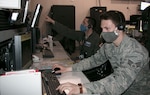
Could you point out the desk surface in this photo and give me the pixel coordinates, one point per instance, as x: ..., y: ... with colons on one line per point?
x: 60, y: 57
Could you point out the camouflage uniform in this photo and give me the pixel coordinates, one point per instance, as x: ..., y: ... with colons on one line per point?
x: 129, y: 61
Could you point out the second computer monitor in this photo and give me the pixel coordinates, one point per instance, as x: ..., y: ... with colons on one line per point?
x: 36, y: 16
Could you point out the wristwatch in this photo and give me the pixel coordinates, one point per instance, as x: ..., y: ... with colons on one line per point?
x: 80, y: 87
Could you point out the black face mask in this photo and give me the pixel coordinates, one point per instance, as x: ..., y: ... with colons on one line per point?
x: 109, y: 36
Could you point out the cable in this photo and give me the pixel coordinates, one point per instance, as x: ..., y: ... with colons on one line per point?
x: 99, y: 2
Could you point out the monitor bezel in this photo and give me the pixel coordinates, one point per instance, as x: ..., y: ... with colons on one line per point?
x: 144, y: 5
x: 25, y: 12
x: 36, y: 16
x: 18, y: 63
x: 10, y: 4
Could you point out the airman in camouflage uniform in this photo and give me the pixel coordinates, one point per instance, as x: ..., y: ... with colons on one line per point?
x: 129, y: 60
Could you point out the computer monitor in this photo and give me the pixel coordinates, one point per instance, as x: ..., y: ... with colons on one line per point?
x: 15, y: 53
x: 10, y: 4
x: 25, y: 11
x: 144, y: 5
x: 36, y: 16
x: 35, y: 37
x: 22, y: 52
x: 19, y: 16
x: 14, y: 16
x: 34, y: 27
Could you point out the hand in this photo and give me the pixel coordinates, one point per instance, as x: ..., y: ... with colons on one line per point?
x: 48, y: 19
x: 70, y: 87
x: 62, y: 68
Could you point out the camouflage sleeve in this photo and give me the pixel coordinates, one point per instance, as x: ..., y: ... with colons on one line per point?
x: 95, y: 60
x: 130, y: 65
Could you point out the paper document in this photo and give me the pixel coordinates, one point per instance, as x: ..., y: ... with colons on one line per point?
x: 24, y: 82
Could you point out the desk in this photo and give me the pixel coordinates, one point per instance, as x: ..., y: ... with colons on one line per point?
x: 60, y: 57
x: 26, y: 82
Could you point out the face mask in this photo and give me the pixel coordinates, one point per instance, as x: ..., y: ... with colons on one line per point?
x: 109, y: 36
x: 83, y: 28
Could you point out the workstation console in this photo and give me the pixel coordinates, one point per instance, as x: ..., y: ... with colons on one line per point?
x: 9, y: 41
x: 18, y: 43
x: 18, y: 36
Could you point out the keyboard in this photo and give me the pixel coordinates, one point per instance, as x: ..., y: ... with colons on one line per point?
x: 47, y: 53
x: 50, y: 82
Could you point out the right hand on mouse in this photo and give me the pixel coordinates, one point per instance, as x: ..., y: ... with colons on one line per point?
x: 62, y: 68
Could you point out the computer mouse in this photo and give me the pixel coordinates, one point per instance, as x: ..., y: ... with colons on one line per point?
x: 56, y: 69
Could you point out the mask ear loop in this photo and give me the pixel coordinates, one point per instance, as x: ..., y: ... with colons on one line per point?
x: 116, y: 33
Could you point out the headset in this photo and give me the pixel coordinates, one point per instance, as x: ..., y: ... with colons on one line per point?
x: 91, y: 22
x: 90, y: 26
x: 121, y: 25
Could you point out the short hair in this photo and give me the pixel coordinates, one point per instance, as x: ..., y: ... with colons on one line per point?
x: 117, y: 17
x: 91, y: 22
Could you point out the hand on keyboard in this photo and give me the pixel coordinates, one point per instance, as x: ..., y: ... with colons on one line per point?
x: 70, y: 88
x: 50, y: 82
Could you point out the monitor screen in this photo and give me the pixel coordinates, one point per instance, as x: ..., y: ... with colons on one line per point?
x: 34, y: 26
x: 10, y: 4
x: 14, y: 16
x: 25, y: 11
x: 144, y: 5
x: 36, y: 16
